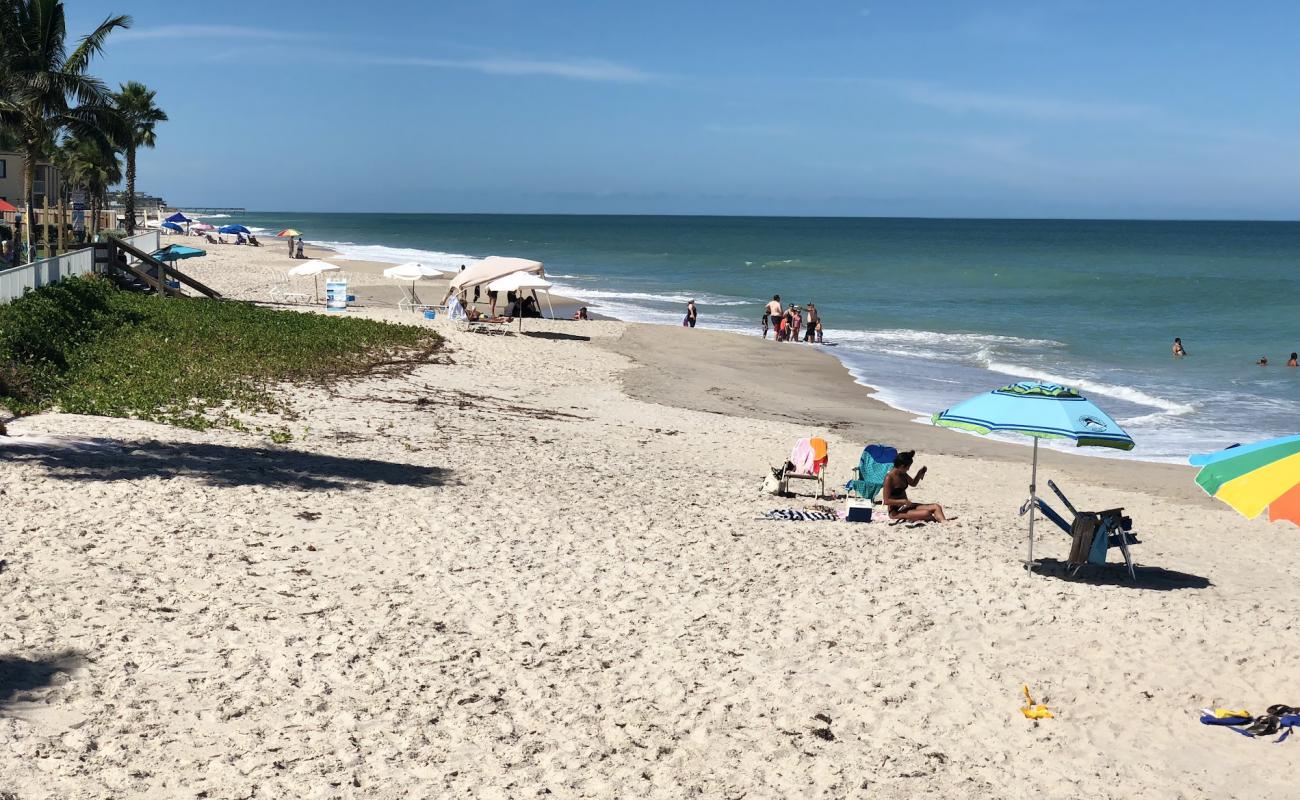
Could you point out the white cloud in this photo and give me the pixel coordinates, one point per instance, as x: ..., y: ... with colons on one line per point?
x: 576, y: 69
x: 207, y: 32
x: 963, y: 101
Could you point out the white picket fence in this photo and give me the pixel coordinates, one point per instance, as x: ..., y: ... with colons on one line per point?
x: 14, y: 282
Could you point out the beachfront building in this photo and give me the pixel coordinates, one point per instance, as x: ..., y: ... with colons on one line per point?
x: 11, y: 180
x: 147, y: 207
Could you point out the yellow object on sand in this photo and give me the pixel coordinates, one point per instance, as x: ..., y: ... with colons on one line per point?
x: 1034, y: 710
x: 1225, y: 713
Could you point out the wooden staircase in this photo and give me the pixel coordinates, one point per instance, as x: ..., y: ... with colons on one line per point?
x: 134, y: 269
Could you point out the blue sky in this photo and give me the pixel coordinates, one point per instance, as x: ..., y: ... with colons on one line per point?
x: 1066, y: 109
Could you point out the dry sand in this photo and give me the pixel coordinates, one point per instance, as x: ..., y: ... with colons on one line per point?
x: 552, y: 580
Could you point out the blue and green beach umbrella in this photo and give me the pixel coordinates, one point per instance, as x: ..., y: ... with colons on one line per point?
x: 1040, y: 410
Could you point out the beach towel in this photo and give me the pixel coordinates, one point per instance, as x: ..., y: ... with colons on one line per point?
x: 801, y: 456
x: 799, y: 515
x: 454, y: 309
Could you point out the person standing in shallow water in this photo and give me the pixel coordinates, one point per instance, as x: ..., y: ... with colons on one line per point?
x: 811, y: 323
x: 772, y: 315
x: 691, y: 315
x: 1179, y: 352
x: 1293, y: 362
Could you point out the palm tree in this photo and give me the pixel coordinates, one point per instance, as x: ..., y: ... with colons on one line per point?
x: 139, y: 115
x: 44, y: 89
x: 92, y: 167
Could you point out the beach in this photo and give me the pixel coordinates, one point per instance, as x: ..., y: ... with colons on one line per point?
x: 540, y: 568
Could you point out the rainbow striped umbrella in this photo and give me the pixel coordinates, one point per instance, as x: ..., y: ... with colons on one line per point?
x: 1253, y: 477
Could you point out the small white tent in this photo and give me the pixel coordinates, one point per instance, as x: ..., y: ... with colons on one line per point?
x: 520, y: 281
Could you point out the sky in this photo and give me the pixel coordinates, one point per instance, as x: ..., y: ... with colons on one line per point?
x: 908, y: 108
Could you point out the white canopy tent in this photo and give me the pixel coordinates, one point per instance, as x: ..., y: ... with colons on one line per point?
x: 520, y: 281
x: 490, y: 269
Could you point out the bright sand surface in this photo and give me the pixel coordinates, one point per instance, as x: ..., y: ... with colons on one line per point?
x: 538, y: 569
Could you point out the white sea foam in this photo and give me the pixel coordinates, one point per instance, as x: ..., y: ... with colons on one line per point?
x: 350, y: 251
x: 209, y: 216
x: 596, y: 295
x: 1135, y: 396
x: 964, y: 341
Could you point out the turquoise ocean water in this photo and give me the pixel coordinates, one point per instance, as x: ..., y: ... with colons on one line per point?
x: 932, y: 311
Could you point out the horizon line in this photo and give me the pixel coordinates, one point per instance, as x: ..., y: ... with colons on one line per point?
x: 936, y: 218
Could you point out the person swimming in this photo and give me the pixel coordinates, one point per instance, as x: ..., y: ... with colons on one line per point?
x: 1293, y: 362
x: 1263, y: 361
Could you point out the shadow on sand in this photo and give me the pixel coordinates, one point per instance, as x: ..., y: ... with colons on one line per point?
x: 21, y: 675
x: 1148, y: 578
x: 559, y: 337
x: 215, y: 464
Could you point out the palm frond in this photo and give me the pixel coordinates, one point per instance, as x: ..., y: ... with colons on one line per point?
x: 93, y: 43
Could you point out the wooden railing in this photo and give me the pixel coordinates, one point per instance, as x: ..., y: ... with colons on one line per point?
x: 15, y: 281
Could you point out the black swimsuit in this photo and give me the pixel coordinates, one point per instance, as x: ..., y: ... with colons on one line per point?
x: 898, y: 493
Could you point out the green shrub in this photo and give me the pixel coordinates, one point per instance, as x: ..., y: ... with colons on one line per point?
x: 88, y: 348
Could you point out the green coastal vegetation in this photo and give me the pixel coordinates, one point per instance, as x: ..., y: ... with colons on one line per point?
x: 83, y: 346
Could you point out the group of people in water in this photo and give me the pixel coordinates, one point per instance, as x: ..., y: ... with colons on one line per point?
x: 1293, y: 361
x: 785, y: 323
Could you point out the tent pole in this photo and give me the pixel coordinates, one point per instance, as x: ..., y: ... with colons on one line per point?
x: 549, y: 307
x: 1033, y: 505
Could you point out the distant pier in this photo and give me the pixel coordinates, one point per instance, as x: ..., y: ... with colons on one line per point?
x: 209, y: 210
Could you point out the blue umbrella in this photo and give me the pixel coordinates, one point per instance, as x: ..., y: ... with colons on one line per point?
x: 175, y: 252
x: 179, y: 217
x: 1040, y: 410
x: 233, y: 229
x: 172, y: 226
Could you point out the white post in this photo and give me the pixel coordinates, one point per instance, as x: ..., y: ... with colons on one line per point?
x: 1033, y: 505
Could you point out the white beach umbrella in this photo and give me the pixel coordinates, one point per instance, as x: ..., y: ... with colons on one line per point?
x: 411, y: 271
x: 314, y: 268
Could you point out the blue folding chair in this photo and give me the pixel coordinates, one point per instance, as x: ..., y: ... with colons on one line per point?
x: 1109, y: 528
x: 869, y: 475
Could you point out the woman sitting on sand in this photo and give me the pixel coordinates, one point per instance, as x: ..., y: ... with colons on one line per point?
x: 894, y: 494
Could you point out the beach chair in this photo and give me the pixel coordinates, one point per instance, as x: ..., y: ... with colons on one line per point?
x: 869, y: 475
x: 411, y: 302
x: 282, y: 290
x: 807, y: 462
x: 1092, y: 533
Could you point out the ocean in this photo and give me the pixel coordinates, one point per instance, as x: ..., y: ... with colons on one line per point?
x: 931, y: 311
